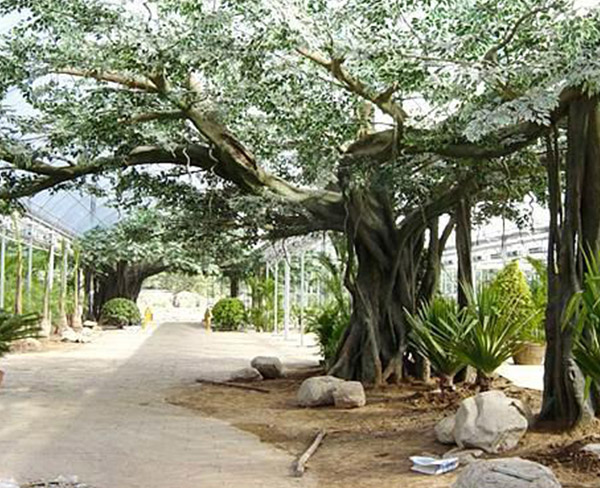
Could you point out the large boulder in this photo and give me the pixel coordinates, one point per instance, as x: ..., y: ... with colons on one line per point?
x: 318, y: 391
x: 349, y: 394
x: 269, y: 367
x: 246, y: 374
x: 490, y: 421
x: 444, y: 430
x: 506, y: 473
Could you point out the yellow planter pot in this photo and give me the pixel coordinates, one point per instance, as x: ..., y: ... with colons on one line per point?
x: 530, y: 354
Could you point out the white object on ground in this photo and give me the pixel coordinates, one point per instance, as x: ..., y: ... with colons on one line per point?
x: 433, y: 466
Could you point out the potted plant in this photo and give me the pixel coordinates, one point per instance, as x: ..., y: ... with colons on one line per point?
x: 533, y: 350
x: 533, y: 347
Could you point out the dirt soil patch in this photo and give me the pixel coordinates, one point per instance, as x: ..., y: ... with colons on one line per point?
x: 369, y: 447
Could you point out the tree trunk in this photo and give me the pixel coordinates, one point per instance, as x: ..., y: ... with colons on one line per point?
x: 19, y: 266
x: 387, y: 258
x: 234, y: 285
x: 76, y: 320
x: 573, y: 231
x: 125, y: 281
x: 62, y: 303
x: 462, y: 216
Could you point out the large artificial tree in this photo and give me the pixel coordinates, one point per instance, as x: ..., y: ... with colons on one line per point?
x: 371, y: 118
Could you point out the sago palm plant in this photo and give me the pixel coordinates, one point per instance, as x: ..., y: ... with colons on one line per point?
x: 437, y: 329
x: 494, y: 335
x: 15, y: 327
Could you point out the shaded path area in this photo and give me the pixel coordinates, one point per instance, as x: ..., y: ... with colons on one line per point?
x: 98, y: 411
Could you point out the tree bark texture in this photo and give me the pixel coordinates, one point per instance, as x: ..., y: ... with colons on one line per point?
x: 384, y: 278
x: 574, y: 230
x: 463, y: 250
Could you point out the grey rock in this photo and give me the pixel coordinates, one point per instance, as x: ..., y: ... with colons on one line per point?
x: 490, y: 421
x: 11, y: 483
x: 444, y: 430
x: 246, y: 374
x: 349, y: 394
x: 317, y: 391
x: 506, y: 473
x: 592, y: 449
x: 69, y: 335
x: 90, y: 323
x: 465, y: 456
x: 269, y: 367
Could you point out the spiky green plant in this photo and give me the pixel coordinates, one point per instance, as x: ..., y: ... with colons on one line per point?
x: 329, y: 321
x: 584, y: 309
x: 493, y: 336
x: 437, y: 329
x: 15, y: 327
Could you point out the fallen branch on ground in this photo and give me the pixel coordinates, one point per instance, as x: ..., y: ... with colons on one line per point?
x: 233, y: 385
x: 300, y: 465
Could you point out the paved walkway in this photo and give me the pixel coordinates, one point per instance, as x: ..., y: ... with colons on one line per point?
x: 98, y: 411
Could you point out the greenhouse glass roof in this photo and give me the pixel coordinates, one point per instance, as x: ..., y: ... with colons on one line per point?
x: 71, y: 211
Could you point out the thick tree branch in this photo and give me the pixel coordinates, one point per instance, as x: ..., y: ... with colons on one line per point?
x: 118, y: 78
x: 383, y: 100
x: 151, y: 116
x: 382, y: 146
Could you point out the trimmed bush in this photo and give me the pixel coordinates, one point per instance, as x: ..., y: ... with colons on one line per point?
x: 120, y: 312
x: 228, y: 314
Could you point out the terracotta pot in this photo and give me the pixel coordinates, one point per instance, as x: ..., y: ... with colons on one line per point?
x: 530, y: 354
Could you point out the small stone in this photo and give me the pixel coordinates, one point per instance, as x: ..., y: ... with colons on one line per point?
x: 11, y: 483
x: 349, y: 394
x: 69, y: 335
x: 592, y: 449
x: 465, y: 456
x: 506, y: 473
x: 269, y: 367
x: 444, y: 430
x: 317, y: 391
x: 246, y: 374
x: 90, y: 323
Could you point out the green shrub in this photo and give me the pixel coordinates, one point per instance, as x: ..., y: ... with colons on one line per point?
x: 15, y: 327
x: 328, y: 323
x: 120, y: 312
x: 438, y: 328
x: 511, y: 286
x: 261, y: 313
x: 228, y: 314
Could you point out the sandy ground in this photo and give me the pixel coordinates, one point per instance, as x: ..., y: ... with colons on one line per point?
x: 98, y: 411
x: 370, y: 447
